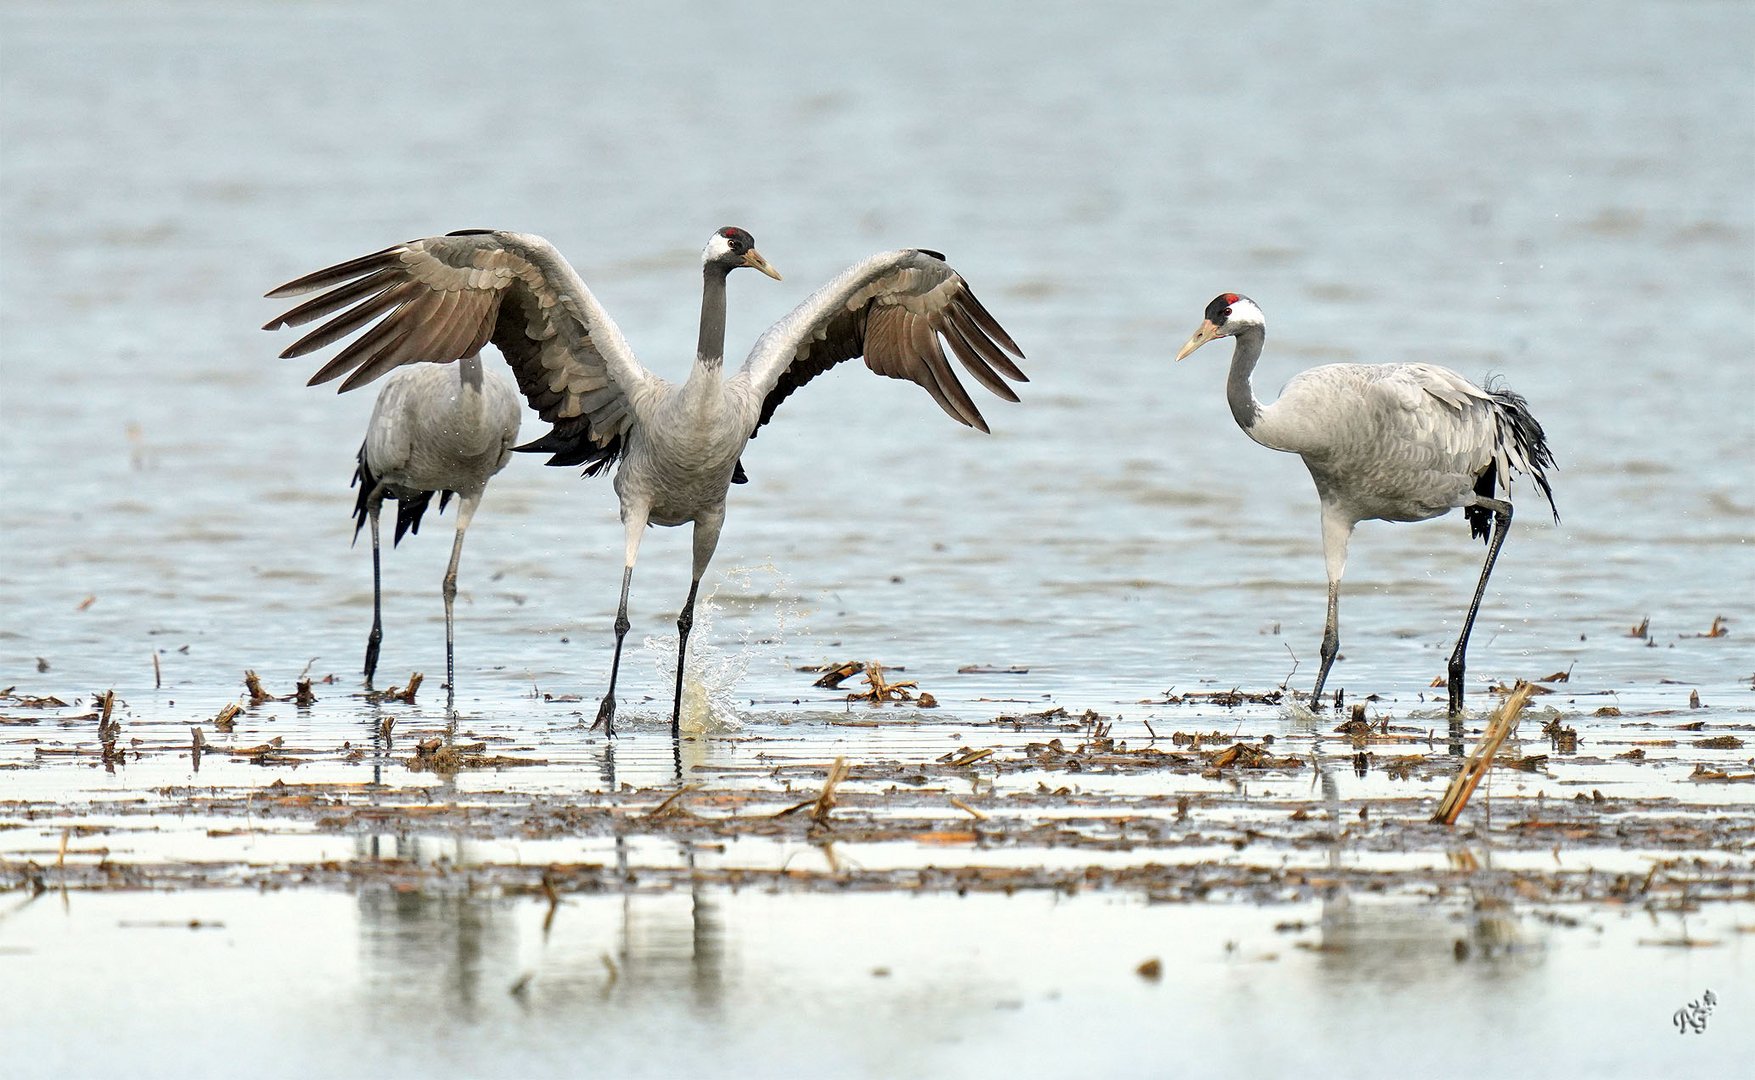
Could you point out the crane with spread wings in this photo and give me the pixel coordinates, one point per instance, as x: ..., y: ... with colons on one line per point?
x: 675, y: 448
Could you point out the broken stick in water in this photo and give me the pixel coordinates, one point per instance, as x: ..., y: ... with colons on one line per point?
x: 404, y: 694
x: 835, y: 674
x: 881, y: 689
x: 672, y: 806
x: 1499, y: 727
x: 824, y: 802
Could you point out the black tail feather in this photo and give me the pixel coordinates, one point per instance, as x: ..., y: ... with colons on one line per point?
x: 367, y: 483
x: 1527, y: 432
x: 570, y: 443
x: 408, y: 512
x: 1532, y: 444
x: 409, y: 508
x: 1481, y: 518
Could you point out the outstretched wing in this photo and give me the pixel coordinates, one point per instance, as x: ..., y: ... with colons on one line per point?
x: 444, y: 297
x: 893, y: 309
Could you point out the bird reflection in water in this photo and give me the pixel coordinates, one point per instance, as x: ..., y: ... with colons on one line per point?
x: 1384, y: 943
x: 445, y: 946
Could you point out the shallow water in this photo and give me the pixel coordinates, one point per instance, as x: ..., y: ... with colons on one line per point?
x: 751, y: 983
x: 1551, y: 195
x: 971, y: 885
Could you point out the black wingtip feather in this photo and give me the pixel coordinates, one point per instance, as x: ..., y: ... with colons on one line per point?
x: 985, y: 320
x: 1531, y: 441
x: 340, y: 272
x: 1527, y: 431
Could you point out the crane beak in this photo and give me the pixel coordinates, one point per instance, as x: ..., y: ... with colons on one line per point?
x: 753, y: 259
x: 1206, y: 333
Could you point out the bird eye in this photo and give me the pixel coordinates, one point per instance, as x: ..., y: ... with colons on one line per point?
x: 1226, y: 314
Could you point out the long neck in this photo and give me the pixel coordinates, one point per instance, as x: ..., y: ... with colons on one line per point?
x: 1258, y: 421
x: 710, y: 350
x: 468, y: 409
x: 469, y: 372
x: 1238, y: 391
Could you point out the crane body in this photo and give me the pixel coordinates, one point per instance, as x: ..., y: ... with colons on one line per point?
x: 435, y: 429
x: 676, y: 448
x: 1391, y: 442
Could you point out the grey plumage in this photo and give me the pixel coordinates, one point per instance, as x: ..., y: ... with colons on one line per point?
x: 445, y: 429
x: 677, y: 446
x: 1397, y: 442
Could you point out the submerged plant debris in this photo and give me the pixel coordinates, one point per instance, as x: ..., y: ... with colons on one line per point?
x: 1267, y: 808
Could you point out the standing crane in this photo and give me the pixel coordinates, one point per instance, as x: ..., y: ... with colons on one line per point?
x: 676, y: 448
x: 434, y: 429
x: 1396, y: 442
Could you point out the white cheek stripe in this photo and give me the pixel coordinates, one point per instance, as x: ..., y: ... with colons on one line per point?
x: 1244, y: 313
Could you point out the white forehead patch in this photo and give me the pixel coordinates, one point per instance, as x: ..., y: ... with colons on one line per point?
x: 717, y: 248
x: 1245, y: 311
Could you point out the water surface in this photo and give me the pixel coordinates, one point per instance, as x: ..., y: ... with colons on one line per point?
x: 1553, y: 195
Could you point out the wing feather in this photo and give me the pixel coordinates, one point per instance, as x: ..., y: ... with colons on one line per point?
x: 985, y: 320
x: 347, y: 322
x: 892, y: 309
x: 966, y: 341
x: 346, y: 271
x: 426, y: 325
x: 387, y: 334
x: 442, y: 298
x: 335, y: 299
x: 923, y: 344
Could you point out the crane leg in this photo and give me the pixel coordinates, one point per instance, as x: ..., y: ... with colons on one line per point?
x: 707, y: 529
x: 1453, y: 679
x: 1336, y: 532
x: 634, y: 520
x: 1331, y: 642
x: 465, y: 513
x: 684, y: 623
x: 376, y: 637
x: 606, y: 710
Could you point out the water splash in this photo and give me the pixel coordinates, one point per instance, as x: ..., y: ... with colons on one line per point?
x: 760, y: 598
